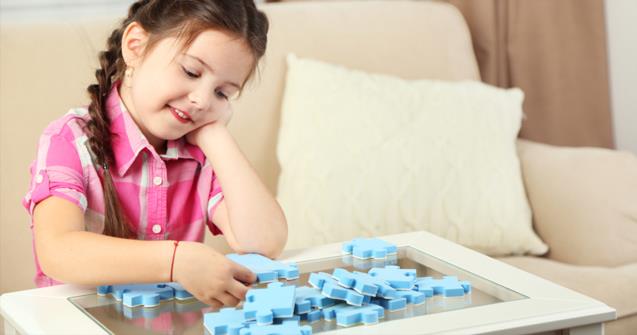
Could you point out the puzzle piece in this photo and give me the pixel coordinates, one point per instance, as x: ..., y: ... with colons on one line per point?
x: 308, y: 298
x: 412, y: 297
x: 266, y: 269
x: 449, y: 286
x: 330, y: 288
x: 290, y: 327
x: 265, y: 304
x: 225, y: 321
x: 366, y: 264
x: 278, y: 321
x: 368, y: 248
x: 384, y: 290
x: 402, y: 279
x: 390, y: 304
x: 180, y: 293
x: 147, y: 295
x: 347, y: 315
x: 360, y: 282
x: 423, y: 287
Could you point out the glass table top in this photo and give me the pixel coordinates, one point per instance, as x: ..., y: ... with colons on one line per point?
x: 176, y: 317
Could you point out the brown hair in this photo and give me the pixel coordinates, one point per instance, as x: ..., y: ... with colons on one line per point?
x: 184, y: 19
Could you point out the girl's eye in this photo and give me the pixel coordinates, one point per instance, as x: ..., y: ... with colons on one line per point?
x: 221, y: 95
x: 189, y: 73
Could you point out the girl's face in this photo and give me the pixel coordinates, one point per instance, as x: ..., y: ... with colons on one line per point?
x: 173, y: 91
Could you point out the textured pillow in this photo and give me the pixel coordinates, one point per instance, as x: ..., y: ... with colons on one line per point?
x: 584, y: 202
x: 368, y: 154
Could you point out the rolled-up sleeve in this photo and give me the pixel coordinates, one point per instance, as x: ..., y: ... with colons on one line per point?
x: 56, y: 171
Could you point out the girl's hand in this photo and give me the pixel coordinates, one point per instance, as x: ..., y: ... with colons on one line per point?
x: 194, y: 137
x: 211, y: 277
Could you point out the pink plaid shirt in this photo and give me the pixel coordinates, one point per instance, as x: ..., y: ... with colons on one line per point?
x: 170, y: 196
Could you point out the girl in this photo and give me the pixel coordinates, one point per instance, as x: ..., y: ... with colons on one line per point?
x: 117, y: 184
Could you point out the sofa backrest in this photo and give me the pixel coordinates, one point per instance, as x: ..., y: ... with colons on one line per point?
x: 46, y: 67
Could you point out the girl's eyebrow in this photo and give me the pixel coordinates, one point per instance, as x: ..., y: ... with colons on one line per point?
x: 211, y: 69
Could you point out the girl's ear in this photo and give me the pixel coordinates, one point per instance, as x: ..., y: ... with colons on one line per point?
x: 134, y: 41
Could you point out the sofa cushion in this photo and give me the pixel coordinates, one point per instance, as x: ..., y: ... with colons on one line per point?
x: 584, y: 202
x: 613, y: 286
x: 368, y: 154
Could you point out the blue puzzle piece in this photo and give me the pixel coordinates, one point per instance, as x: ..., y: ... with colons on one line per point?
x: 225, y: 321
x: 398, y: 278
x: 449, y: 286
x: 423, y: 287
x: 368, y: 248
x: 290, y: 327
x: 278, y: 321
x: 412, y: 297
x: 265, y: 304
x: 390, y: 304
x: 266, y: 269
x: 330, y: 288
x: 384, y: 289
x: 360, y: 282
x: 308, y: 298
x: 347, y: 315
x: 180, y: 292
x: 302, y: 306
x: 147, y: 295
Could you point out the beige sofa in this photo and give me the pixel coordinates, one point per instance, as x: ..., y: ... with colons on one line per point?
x: 45, y: 68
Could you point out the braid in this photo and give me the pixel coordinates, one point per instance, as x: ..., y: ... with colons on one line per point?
x: 98, y: 128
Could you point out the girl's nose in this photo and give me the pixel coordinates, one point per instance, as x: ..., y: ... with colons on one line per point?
x: 200, y: 99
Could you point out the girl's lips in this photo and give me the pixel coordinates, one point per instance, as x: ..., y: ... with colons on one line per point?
x: 180, y: 115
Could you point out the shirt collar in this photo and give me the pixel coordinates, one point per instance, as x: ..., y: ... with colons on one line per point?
x: 128, y: 141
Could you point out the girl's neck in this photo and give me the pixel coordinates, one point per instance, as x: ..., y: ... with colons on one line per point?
x: 159, y: 144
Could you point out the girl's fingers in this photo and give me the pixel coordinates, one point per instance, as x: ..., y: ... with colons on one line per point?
x: 212, y: 302
x: 228, y: 300
x: 244, y: 275
x: 238, y: 289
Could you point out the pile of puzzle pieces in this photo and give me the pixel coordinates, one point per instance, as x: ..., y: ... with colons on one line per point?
x: 348, y: 297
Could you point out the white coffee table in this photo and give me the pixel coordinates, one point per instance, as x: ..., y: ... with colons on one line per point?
x: 504, y: 300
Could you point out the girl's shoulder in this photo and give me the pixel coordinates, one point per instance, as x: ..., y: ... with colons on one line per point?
x: 70, y: 126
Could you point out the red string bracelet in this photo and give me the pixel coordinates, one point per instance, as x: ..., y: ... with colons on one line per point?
x: 172, y: 262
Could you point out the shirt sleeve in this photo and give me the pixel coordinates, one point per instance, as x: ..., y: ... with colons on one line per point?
x: 56, y: 171
x: 214, y: 199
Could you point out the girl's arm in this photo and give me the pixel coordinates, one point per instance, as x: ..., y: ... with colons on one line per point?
x: 69, y: 254
x: 249, y: 216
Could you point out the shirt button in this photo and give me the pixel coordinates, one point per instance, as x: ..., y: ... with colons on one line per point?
x: 157, y: 181
x: 156, y: 229
x: 39, y: 178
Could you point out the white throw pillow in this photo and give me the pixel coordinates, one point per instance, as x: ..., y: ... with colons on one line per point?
x: 369, y: 154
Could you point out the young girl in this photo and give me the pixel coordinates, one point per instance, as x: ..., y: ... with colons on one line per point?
x: 150, y: 161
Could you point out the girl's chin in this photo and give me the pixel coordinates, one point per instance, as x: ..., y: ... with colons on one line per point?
x: 169, y: 135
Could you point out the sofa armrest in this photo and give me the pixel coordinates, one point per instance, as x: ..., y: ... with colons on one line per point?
x: 584, y: 202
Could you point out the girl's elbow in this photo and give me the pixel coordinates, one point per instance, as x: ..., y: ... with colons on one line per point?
x: 52, y: 266
x: 52, y: 262
x: 276, y: 244
x: 279, y: 242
